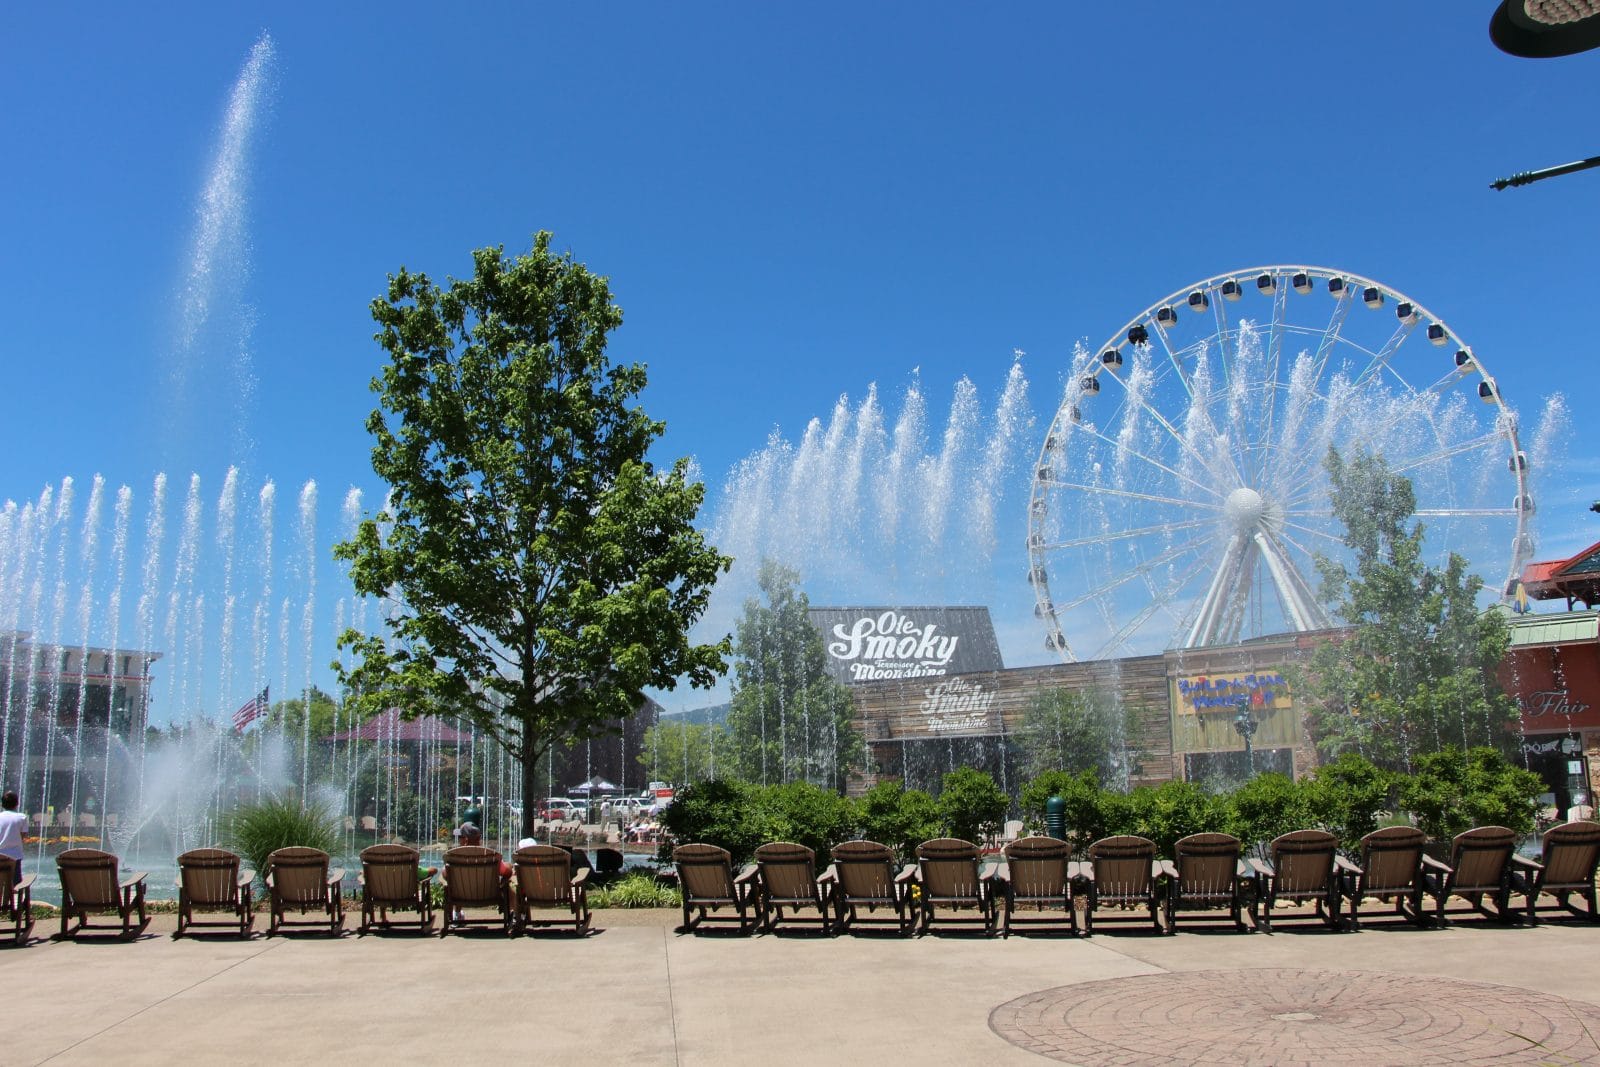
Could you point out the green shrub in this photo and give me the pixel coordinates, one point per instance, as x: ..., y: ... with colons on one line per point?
x: 722, y: 812
x: 898, y: 817
x: 1170, y: 811
x: 971, y: 806
x: 1089, y: 809
x: 255, y: 831
x: 1450, y: 791
x: 809, y: 815
x: 1349, y: 796
x: 639, y: 890
x: 1268, y: 805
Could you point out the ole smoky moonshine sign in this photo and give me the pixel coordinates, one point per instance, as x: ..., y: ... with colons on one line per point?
x: 887, y: 644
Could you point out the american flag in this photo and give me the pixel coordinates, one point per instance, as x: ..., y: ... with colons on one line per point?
x: 250, y: 711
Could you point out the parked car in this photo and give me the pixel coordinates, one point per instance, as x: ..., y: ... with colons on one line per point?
x: 560, y: 809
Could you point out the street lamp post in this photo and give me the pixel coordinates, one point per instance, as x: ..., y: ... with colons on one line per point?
x: 1246, y: 724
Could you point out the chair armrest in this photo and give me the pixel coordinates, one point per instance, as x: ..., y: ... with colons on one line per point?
x: 829, y: 876
x: 582, y: 877
x: 1166, y: 869
x: 747, y: 874
x: 424, y: 879
x: 1342, y: 864
x: 1262, y: 868
x: 908, y: 873
x: 133, y: 879
x: 245, y: 878
x: 336, y: 876
x: 1525, y: 863
x: 23, y: 883
x: 1443, y: 868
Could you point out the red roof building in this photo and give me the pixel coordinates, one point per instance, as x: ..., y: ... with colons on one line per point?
x: 1575, y: 580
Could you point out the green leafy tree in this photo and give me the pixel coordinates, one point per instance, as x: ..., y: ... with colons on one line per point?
x: 789, y: 719
x: 1072, y: 730
x: 1171, y: 811
x: 1268, y: 805
x: 972, y: 806
x: 676, y: 750
x: 1452, y: 791
x: 1417, y: 669
x: 546, y: 573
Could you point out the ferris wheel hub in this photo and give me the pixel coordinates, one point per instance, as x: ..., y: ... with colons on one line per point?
x: 1244, y: 508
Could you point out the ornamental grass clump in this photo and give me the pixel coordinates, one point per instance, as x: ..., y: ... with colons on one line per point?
x: 635, y: 891
x: 256, y: 830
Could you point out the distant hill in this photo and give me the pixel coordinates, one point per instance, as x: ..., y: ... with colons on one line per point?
x: 715, y: 714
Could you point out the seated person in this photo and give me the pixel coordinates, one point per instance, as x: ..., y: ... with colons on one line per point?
x: 470, y: 834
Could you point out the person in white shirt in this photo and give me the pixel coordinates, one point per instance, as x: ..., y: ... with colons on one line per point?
x: 11, y: 825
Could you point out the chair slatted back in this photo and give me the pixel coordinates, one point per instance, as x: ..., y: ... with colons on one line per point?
x: 389, y: 873
x: 1303, y: 860
x: 949, y: 869
x: 788, y: 871
x: 865, y: 870
x: 1207, y: 865
x: 1480, y: 856
x: 8, y: 883
x: 1122, y: 867
x: 544, y: 874
x: 210, y: 877
x: 1391, y: 859
x: 473, y: 874
x: 705, y: 872
x: 1571, y: 853
x: 1037, y: 867
x: 299, y: 875
x: 89, y: 878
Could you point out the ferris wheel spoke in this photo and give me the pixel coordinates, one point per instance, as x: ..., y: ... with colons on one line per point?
x: 1380, y: 359
x: 1172, y: 357
x: 1280, y: 299
x: 1157, y: 603
x: 1330, y: 336
x: 1219, y: 308
x: 1313, y: 531
x: 1172, y: 431
x: 1176, y: 552
x: 1103, y: 490
x: 1465, y: 513
x: 1122, y: 535
x: 1153, y: 462
x: 1488, y: 440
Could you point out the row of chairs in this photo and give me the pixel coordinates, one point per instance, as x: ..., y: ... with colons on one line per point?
x: 215, y: 892
x: 1040, y: 882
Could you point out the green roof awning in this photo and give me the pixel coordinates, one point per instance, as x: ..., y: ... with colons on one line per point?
x: 1566, y: 628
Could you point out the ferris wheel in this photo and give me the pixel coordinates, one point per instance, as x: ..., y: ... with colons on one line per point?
x: 1180, y: 498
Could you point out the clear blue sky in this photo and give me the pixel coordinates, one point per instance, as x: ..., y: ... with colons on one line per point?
x: 791, y: 201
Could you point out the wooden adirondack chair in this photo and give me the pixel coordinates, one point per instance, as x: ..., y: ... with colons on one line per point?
x: 787, y: 878
x: 1122, y: 872
x: 472, y: 879
x: 546, y: 884
x: 709, y: 885
x: 1390, y: 870
x: 392, y: 881
x: 863, y: 876
x: 89, y: 883
x: 1038, y: 876
x: 1207, y: 874
x: 1571, y: 853
x: 1305, y: 865
x: 210, y: 882
x: 950, y: 876
x: 298, y: 880
x: 16, y: 900
x: 1479, y: 871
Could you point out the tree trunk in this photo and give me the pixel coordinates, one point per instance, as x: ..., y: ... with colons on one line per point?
x: 530, y: 798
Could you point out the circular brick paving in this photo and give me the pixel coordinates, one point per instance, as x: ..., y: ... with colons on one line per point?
x: 1284, y: 1017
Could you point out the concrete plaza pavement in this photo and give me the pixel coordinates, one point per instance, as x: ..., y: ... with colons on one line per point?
x: 636, y: 991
